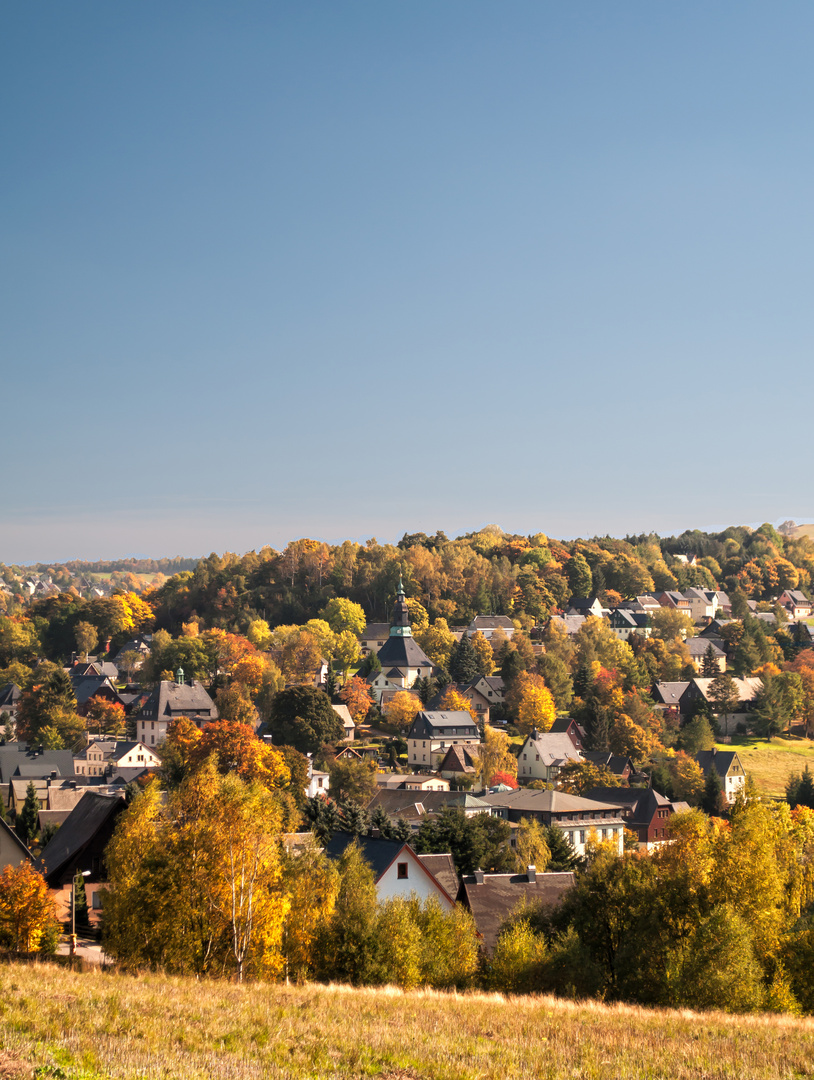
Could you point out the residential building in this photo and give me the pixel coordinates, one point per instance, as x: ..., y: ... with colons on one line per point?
x: 343, y: 712
x: 698, y: 647
x: 579, y: 818
x: 490, y: 624
x: 729, y: 768
x: 398, y: 870
x: 170, y: 701
x: 432, y: 733
x: 411, y: 782
x: 646, y: 812
x: 103, y: 757
x: 542, y: 755
x: 796, y: 603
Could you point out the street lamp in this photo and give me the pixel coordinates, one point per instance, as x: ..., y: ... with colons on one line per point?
x: 77, y: 878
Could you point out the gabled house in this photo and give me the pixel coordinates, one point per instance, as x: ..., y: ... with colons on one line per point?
x: 729, y: 768
x: 103, y: 757
x: 748, y: 689
x: 670, y: 695
x: 570, y: 625
x: 373, y: 637
x: 432, y: 733
x: 13, y: 851
x: 568, y: 726
x: 170, y: 701
x: 698, y: 647
x: 460, y: 761
x: 796, y: 604
x: 703, y: 603
x: 542, y: 756
x: 492, y: 898
x: 398, y: 870
x: 624, y: 623
x: 490, y: 624
x: 411, y: 782
x: 10, y: 695
x: 79, y: 845
x: 415, y: 806
x: 318, y: 782
x: 675, y: 600
x: 585, y: 606
x: 88, y: 687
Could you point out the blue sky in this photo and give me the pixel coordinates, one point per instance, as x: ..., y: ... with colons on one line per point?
x: 351, y: 269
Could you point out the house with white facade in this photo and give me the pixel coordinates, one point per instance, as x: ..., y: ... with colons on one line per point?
x: 432, y: 733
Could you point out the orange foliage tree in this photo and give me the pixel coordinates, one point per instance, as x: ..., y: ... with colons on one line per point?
x: 27, y: 917
x: 356, y: 695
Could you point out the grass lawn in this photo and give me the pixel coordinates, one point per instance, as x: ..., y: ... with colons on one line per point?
x: 59, y: 1023
x: 772, y: 763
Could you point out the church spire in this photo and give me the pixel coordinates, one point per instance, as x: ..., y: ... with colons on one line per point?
x: 400, y: 626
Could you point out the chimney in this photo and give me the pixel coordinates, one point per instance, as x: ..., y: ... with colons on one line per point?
x: 478, y: 877
x: 531, y: 873
x: 53, y: 774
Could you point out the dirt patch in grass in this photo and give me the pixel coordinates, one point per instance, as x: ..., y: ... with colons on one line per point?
x: 13, y: 1068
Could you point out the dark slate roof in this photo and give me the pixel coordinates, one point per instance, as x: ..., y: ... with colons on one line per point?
x: 493, y: 899
x: 85, y: 686
x: 563, y: 724
x: 17, y: 760
x: 721, y: 759
x: 698, y: 646
x: 615, y: 762
x: 642, y: 802
x: 394, y: 802
x: 10, y: 694
x: 92, y: 813
x: 375, y: 630
x: 377, y: 852
x: 669, y: 693
x: 428, y: 724
x: 17, y: 842
x: 403, y: 652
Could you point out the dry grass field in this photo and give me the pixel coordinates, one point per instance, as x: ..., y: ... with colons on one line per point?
x: 770, y: 764
x: 80, y: 1026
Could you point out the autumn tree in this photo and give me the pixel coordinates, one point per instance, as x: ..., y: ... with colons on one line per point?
x: 531, y: 846
x: 531, y: 703
x: 577, y: 777
x: 342, y: 614
x: 454, y: 701
x: 402, y: 709
x: 86, y: 638
x: 311, y: 883
x: 356, y: 695
x: 352, y: 780
x: 27, y: 916
x: 495, y: 755
x: 106, y: 717
x: 483, y: 652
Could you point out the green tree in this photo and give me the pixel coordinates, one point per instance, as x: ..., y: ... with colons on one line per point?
x: 345, y: 950
x: 557, y: 679
x: 302, y: 717
x: 342, y: 614
x: 580, y: 579
x: 723, y: 696
x: 475, y: 843
x: 86, y: 638
x: 352, y: 780
x: 696, y: 735
x: 713, y: 801
x: 483, y: 652
x: 28, y: 821
x: 463, y: 661
x: 709, y: 663
x: 779, y: 703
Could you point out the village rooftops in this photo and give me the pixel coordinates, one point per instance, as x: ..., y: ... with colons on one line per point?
x: 443, y: 725
x: 172, y: 699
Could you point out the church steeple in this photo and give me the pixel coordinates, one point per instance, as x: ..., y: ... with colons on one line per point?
x: 400, y: 625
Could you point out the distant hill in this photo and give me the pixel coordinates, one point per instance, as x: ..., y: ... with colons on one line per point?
x: 802, y: 530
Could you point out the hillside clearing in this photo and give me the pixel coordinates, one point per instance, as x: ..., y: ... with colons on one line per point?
x: 772, y: 763
x: 83, y: 1026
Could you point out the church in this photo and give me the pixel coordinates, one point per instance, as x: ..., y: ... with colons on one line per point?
x: 402, y: 658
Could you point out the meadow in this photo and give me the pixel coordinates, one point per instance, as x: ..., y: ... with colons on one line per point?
x: 85, y: 1025
x: 770, y: 764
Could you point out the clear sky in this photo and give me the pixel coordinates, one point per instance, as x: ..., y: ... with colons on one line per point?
x: 344, y: 269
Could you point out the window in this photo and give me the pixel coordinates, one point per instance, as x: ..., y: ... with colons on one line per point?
x: 96, y: 901
x: 582, y: 836
x: 402, y: 870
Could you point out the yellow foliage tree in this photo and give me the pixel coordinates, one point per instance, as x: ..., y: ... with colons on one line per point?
x: 452, y: 701
x: 27, y: 916
x: 402, y: 709
x: 628, y: 738
x: 495, y: 755
x: 531, y: 702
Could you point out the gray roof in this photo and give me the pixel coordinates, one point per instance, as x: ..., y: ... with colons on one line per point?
x: 723, y: 761
x: 548, y: 801
x: 403, y: 652
x: 670, y: 693
x: 171, y: 699
x: 376, y: 630
x: 85, y: 686
x: 429, y: 723
x: 491, y: 622
x: 395, y: 802
x: 552, y: 747
x: 698, y: 647
x: 16, y: 759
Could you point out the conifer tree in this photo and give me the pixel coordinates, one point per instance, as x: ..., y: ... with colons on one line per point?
x: 709, y: 664
x: 713, y: 801
x: 28, y: 821
x: 463, y: 661
x: 402, y: 831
